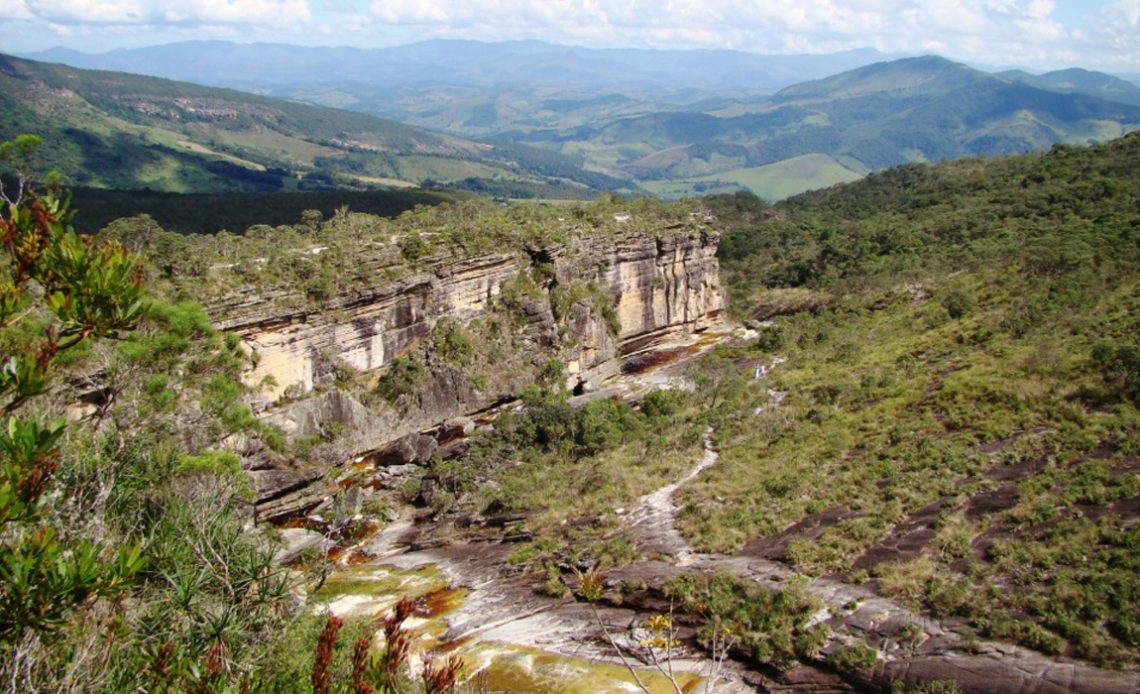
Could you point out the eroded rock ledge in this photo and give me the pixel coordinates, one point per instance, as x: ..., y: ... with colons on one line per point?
x: 582, y: 303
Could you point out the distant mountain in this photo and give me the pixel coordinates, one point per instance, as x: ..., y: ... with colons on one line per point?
x: 468, y: 63
x: 922, y: 76
x: 676, y: 122
x: 873, y: 117
x: 1078, y: 81
x: 116, y: 130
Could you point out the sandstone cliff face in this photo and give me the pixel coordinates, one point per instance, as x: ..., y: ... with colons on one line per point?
x: 365, y: 330
x: 653, y: 285
x: 656, y: 285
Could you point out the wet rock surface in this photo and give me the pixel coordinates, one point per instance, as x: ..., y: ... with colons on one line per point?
x: 503, y: 609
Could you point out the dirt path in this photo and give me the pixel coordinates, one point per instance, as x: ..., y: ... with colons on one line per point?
x: 654, y: 519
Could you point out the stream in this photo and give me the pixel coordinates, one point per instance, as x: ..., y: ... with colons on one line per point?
x: 511, y: 637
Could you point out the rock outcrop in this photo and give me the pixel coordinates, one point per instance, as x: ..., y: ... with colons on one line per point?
x: 582, y: 303
x: 655, y: 285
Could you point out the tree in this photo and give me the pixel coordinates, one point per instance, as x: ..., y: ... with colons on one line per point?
x: 58, y: 290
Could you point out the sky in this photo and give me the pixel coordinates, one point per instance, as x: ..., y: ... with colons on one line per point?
x: 1035, y: 34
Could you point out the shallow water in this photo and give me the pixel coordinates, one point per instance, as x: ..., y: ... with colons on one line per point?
x: 372, y: 591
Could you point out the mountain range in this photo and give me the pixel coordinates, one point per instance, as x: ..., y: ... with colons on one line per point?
x: 840, y: 127
x: 528, y: 118
x: 118, y: 130
x: 261, y: 66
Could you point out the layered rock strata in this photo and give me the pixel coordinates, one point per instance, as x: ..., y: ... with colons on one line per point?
x: 624, y: 293
x: 657, y: 285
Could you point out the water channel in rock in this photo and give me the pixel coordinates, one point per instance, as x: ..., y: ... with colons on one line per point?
x: 511, y: 637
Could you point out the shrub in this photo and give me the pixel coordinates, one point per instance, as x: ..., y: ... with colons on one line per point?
x: 404, y: 377
x: 451, y: 341
x: 853, y: 656
x: 1119, y: 368
x: 413, y: 247
x: 771, y: 338
x: 773, y: 623
x: 958, y: 300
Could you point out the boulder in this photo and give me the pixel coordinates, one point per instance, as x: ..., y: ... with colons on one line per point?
x: 455, y: 449
x: 274, y: 484
x: 456, y: 427
x: 413, y: 448
x: 296, y: 541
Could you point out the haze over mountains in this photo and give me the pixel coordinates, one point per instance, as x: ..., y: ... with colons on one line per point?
x: 116, y: 130
x: 674, y: 122
x: 470, y: 63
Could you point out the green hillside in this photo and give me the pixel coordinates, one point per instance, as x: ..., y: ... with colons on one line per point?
x: 771, y: 181
x: 1076, y: 80
x: 874, y: 117
x: 115, y: 130
x: 929, y: 75
x: 961, y: 424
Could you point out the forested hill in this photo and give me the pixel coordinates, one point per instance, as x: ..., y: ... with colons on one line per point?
x: 870, y: 118
x: 116, y: 130
x: 1076, y: 80
x: 961, y: 428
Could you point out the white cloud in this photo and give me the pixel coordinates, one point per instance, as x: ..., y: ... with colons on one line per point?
x: 1112, y: 35
x: 14, y: 9
x: 269, y: 13
x: 901, y: 25
x: 1000, y: 32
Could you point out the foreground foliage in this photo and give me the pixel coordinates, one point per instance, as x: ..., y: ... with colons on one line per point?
x: 125, y: 563
x: 58, y: 291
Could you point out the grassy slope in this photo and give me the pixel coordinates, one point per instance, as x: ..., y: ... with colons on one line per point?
x: 947, y: 432
x: 771, y: 182
x: 107, y: 129
x: 920, y: 109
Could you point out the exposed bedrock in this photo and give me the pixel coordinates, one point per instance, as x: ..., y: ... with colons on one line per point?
x: 583, y: 303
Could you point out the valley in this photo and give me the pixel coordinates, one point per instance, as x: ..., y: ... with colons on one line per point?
x: 708, y: 123
x: 124, y: 131
x: 886, y: 481
x: 591, y: 370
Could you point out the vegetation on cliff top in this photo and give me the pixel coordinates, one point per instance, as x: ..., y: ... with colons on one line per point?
x: 319, y: 258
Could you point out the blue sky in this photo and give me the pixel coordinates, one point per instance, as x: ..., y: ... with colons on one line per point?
x: 1038, y: 34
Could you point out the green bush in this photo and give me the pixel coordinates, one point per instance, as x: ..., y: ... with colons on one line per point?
x: 1119, y: 368
x: 413, y: 247
x: 452, y: 342
x: 773, y: 623
x: 958, y: 300
x: 224, y: 465
x: 852, y: 657
x: 404, y: 377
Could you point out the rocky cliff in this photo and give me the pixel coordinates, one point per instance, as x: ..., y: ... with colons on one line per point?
x: 579, y: 303
x: 654, y: 284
